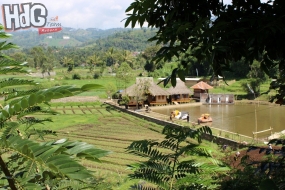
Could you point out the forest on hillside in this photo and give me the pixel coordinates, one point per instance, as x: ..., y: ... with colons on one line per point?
x: 83, y: 37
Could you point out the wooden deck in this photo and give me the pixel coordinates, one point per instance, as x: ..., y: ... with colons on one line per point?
x: 158, y: 103
x: 183, y: 100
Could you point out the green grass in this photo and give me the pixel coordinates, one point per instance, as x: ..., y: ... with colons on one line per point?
x: 235, y: 87
x: 110, y: 130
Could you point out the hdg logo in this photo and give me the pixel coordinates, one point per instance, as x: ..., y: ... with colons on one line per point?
x: 26, y: 15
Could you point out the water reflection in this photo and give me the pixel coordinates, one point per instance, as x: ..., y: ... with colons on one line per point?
x: 237, y: 118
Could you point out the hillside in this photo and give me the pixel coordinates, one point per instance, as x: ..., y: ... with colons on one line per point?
x: 97, y: 39
x: 132, y: 40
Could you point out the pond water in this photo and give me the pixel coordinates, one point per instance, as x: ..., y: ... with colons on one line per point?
x: 241, y: 119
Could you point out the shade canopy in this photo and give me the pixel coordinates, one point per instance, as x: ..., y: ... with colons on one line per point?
x: 202, y: 86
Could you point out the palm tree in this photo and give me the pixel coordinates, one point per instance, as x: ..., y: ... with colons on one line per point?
x: 127, y: 57
x: 93, y: 61
x: 68, y: 62
x: 110, y: 57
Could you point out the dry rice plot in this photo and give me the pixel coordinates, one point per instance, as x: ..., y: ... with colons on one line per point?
x: 104, y: 112
x: 89, y: 108
x: 60, y: 111
x: 68, y: 112
x: 107, y: 167
x: 87, y: 111
x: 97, y: 112
x: 78, y: 112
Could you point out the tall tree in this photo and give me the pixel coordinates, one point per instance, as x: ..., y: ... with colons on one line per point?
x: 218, y: 33
x: 148, y: 54
x: 141, y: 90
x: 39, y: 56
x: 124, y: 73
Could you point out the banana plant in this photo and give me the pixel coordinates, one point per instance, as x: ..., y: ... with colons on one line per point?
x: 25, y: 162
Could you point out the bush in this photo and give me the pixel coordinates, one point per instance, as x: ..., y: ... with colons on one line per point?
x: 76, y: 76
x: 96, y: 75
x: 116, y: 95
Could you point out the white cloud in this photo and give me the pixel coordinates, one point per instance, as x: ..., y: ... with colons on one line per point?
x: 116, y: 7
x: 83, y: 13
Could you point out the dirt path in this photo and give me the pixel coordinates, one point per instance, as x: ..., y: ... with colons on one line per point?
x: 78, y: 99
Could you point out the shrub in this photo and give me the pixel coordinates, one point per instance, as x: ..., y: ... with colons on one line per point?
x: 96, y: 75
x: 76, y: 76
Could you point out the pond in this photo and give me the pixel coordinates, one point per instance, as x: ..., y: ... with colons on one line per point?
x: 241, y: 119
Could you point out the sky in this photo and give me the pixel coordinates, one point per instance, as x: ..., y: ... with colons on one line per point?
x: 102, y: 14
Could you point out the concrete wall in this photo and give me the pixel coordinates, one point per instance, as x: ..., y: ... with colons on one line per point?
x: 218, y: 140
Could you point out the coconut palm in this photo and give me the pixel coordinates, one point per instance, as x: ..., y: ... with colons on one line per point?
x: 127, y: 57
x: 68, y: 62
x: 93, y: 61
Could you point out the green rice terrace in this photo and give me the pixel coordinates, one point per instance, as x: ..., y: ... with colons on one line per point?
x: 106, y: 128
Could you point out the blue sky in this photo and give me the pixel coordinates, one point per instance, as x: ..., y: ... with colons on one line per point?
x: 103, y: 14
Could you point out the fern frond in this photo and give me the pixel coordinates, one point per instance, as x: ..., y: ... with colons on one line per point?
x: 14, y: 93
x: 54, y: 156
x: 169, y: 143
x: 151, y: 176
x: 188, y: 167
x: 197, y: 150
x: 9, y: 129
x: 15, y: 82
x: 144, y: 148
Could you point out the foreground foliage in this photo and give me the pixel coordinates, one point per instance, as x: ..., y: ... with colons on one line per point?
x: 217, y: 33
x: 171, y: 164
x: 24, y: 162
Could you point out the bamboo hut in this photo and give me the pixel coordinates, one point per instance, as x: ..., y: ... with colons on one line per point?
x: 200, y: 88
x: 145, y: 91
x: 180, y: 93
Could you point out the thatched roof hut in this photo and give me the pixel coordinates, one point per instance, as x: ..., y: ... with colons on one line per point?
x: 153, y: 88
x: 180, y: 88
x: 201, y: 86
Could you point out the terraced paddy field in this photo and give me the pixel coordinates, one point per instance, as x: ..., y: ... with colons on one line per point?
x: 105, y: 128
